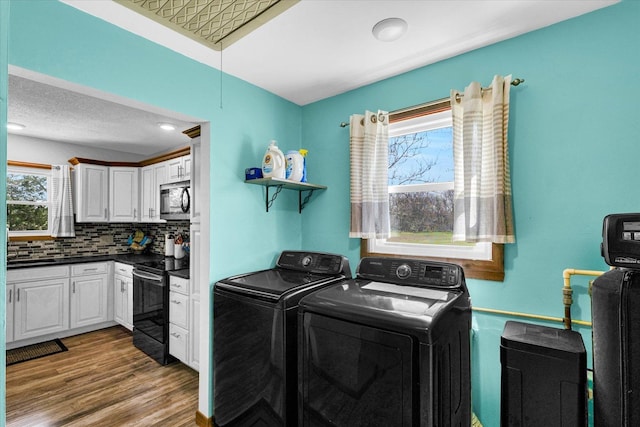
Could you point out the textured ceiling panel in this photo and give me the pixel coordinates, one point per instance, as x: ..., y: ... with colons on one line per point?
x: 215, y: 23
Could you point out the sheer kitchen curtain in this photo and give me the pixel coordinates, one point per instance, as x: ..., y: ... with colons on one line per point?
x: 369, y: 141
x: 61, y: 202
x: 482, y: 189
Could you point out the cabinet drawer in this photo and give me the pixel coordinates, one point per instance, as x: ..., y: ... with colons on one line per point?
x: 38, y: 273
x: 123, y: 269
x: 179, y: 309
x: 90, y: 268
x: 179, y: 284
x: 178, y: 342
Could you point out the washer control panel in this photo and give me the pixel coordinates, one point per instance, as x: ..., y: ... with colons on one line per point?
x: 315, y: 262
x: 411, y: 271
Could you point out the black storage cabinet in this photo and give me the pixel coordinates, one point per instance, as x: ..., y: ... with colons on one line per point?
x: 544, y: 376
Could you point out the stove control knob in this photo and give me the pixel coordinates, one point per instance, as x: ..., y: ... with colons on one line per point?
x: 306, y: 261
x: 403, y: 271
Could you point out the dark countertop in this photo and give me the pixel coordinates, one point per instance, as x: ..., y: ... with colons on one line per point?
x: 184, y: 273
x: 124, y: 258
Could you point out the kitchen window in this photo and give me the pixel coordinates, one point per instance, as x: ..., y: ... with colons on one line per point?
x: 421, y: 195
x: 28, y: 201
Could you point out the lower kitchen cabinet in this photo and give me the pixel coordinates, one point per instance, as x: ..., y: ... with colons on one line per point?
x: 9, y: 313
x: 41, y: 307
x: 123, y: 295
x: 88, y: 301
x: 183, y: 338
x: 52, y: 302
x: 194, y: 328
x: 178, y: 342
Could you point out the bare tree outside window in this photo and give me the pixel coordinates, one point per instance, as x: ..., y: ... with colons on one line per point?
x: 417, y: 214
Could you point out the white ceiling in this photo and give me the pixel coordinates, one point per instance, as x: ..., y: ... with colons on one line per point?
x: 314, y: 50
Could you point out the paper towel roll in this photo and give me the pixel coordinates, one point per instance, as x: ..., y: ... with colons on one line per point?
x: 168, y: 245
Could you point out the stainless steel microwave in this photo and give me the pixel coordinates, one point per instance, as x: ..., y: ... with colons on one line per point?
x: 175, y: 201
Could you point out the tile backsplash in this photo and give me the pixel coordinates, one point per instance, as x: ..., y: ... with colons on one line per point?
x: 94, y: 239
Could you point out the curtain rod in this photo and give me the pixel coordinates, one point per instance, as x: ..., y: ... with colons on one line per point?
x: 514, y: 82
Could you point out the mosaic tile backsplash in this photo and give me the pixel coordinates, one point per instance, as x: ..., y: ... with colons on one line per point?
x: 94, y: 239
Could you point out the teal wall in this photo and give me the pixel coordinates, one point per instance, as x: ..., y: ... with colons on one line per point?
x: 573, y: 135
x: 574, y: 148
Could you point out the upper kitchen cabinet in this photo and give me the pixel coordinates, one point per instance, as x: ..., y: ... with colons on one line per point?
x: 151, y: 177
x: 179, y: 169
x: 91, y: 192
x: 123, y: 194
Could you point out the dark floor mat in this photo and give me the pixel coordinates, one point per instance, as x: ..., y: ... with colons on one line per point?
x: 34, y: 351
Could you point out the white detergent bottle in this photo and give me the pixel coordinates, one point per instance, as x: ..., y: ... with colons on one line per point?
x: 273, y: 163
x: 295, y: 165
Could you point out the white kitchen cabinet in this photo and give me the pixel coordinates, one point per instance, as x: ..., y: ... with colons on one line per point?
x: 123, y: 194
x: 91, y: 192
x: 179, y: 169
x: 151, y: 177
x: 193, y: 358
x: 197, y: 177
x: 123, y: 295
x: 195, y: 236
x: 178, y: 342
x: 179, y: 309
x: 89, y: 294
x: 182, y: 338
x: 41, y: 307
x: 9, y: 313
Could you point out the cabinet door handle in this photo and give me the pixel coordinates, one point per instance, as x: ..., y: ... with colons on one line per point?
x: 73, y: 285
x: 10, y: 294
x: 90, y: 269
x: 175, y: 334
x: 150, y: 212
x: 175, y: 301
x: 134, y: 213
x: 18, y: 296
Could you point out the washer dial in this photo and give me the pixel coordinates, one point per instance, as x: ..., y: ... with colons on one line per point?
x: 403, y: 271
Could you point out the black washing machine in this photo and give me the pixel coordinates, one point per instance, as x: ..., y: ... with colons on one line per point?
x: 255, y: 338
x: 388, y: 348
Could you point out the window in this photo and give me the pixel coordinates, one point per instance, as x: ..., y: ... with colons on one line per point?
x: 421, y: 195
x: 28, y: 192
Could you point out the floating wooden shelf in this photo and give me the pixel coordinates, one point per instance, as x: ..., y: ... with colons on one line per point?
x: 300, y: 187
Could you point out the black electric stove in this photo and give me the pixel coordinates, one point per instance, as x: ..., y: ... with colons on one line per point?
x: 151, y: 306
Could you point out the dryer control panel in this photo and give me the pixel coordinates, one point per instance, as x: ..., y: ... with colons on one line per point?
x: 315, y: 262
x: 411, y: 272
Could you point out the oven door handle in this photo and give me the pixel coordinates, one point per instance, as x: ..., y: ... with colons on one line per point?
x: 147, y: 276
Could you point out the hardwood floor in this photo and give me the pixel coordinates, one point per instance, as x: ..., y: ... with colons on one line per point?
x: 103, y: 380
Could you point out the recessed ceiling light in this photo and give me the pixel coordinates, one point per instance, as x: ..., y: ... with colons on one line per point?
x: 15, y: 126
x: 390, y: 29
x: 166, y: 126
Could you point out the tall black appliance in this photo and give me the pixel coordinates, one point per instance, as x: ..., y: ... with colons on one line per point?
x: 255, y: 338
x: 615, y: 298
x: 151, y: 306
x: 389, y: 348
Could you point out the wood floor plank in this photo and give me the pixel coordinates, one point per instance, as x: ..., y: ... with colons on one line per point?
x: 103, y: 380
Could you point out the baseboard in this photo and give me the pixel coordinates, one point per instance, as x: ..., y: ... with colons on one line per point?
x: 202, y: 420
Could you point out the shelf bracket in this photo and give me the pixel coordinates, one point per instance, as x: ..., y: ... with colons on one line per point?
x: 269, y: 202
x: 301, y: 202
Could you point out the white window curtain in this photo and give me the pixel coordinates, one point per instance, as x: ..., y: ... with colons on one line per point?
x: 61, y: 202
x: 482, y: 190
x: 369, y: 140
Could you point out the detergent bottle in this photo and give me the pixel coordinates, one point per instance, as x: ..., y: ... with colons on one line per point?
x: 273, y: 163
x: 295, y: 166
